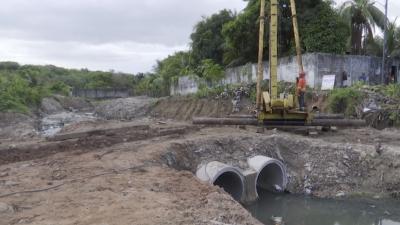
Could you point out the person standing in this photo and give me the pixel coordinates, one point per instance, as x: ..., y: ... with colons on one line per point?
x: 301, y: 90
x: 344, y: 79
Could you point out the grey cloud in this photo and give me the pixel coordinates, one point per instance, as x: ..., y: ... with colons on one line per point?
x: 124, y: 35
x: 119, y: 56
x: 146, y: 21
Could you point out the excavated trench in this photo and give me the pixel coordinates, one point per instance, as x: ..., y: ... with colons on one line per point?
x: 276, y: 163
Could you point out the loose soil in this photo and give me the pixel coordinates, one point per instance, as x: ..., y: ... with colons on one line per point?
x: 141, y: 172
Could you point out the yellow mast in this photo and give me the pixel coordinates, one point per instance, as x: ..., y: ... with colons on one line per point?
x: 260, y: 75
x: 273, y: 45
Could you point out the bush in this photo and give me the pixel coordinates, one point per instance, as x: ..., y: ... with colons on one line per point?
x: 206, y: 92
x: 392, y: 90
x: 23, y: 87
x: 344, y: 100
x: 17, y: 95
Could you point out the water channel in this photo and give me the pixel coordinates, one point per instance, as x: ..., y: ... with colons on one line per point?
x: 301, y: 210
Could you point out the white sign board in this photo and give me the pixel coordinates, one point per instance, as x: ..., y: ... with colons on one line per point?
x: 328, y: 82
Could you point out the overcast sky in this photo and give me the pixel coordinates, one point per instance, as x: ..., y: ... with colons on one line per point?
x: 123, y: 35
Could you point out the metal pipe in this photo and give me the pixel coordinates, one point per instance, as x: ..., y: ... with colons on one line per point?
x: 316, y: 116
x: 225, y: 121
x: 338, y: 122
x: 242, y: 116
x: 329, y: 116
x: 249, y: 121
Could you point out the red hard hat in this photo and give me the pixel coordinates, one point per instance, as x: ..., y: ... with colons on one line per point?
x: 302, y: 74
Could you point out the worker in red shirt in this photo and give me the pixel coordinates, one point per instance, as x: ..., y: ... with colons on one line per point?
x: 301, y: 90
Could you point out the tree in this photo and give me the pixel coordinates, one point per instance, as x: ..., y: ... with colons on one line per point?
x: 393, y: 40
x: 175, y: 65
x: 375, y: 46
x: 326, y: 32
x: 211, y: 71
x: 170, y: 69
x: 362, y: 16
x: 207, y: 39
x: 241, y: 39
x: 321, y: 30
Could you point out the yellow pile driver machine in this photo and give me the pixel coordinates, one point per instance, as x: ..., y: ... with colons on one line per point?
x: 273, y: 109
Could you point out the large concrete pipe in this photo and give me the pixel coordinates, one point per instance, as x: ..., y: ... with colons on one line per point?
x: 271, y: 173
x: 227, y: 177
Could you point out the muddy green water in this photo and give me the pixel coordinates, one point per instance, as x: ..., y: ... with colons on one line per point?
x: 301, y: 210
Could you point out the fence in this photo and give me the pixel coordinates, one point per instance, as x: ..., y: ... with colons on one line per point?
x: 316, y: 66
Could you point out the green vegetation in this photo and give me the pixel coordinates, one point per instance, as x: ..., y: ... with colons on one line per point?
x: 345, y: 100
x: 321, y: 39
x: 227, y: 39
x: 17, y: 95
x: 207, y: 39
x: 221, y: 40
x: 352, y: 100
x: 214, y: 92
x: 362, y: 16
x: 23, y: 87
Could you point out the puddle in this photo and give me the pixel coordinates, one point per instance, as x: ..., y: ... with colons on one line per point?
x: 52, y: 124
x: 301, y: 210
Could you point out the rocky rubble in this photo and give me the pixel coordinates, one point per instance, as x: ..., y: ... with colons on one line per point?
x: 124, y: 109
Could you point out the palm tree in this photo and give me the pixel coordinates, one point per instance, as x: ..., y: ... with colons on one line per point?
x: 362, y: 16
x: 393, y: 39
x: 375, y: 46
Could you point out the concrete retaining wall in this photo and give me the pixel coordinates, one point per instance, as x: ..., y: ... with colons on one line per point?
x: 101, y: 93
x: 316, y: 66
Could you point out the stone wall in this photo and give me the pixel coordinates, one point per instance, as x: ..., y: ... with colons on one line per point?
x: 316, y: 65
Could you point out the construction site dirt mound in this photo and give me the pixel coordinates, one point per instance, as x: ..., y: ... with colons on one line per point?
x: 185, y: 108
x: 119, y: 183
x: 142, y: 171
x: 17, y: 126
x: 75, y: 103
x: 124, y: 108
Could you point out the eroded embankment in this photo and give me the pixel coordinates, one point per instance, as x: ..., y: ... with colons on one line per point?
x: 314, y: 166
x: 123, y: 182
x: 92, y: 170
x: 79, y: 142
x: 185, y: 108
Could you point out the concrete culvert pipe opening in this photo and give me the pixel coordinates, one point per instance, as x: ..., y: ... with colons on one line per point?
x: 270, y: 178
x: 227, y: 177
x: 271, y: 174
x: 231, y: 183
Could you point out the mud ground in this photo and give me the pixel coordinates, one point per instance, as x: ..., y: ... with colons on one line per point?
x: 141, y: 171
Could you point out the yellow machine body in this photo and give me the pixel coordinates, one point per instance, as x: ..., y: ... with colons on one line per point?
x: 278, y: 109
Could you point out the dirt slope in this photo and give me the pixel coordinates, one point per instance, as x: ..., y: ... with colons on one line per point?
x: 126, y: 183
